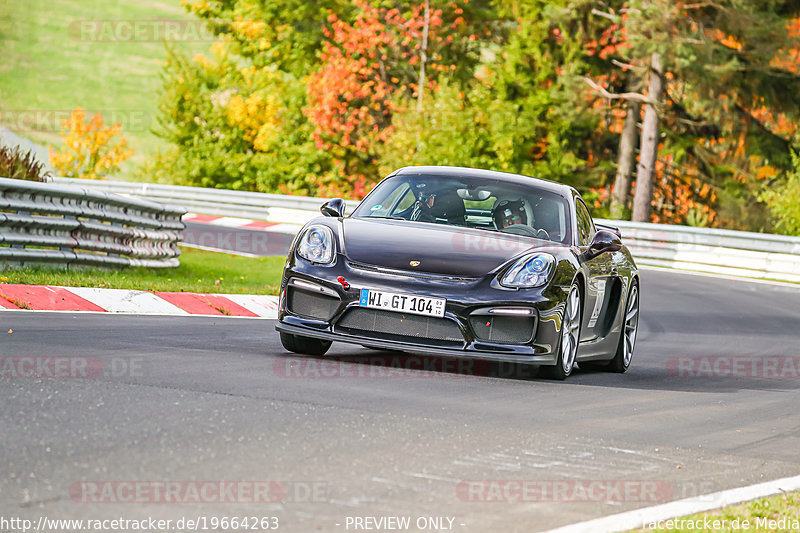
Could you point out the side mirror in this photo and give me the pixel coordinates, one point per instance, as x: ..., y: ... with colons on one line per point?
x: 333, y: 208
x: 604, y: 241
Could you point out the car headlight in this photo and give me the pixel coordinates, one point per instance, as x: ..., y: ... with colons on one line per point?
x: 316, y: 245
x: 531, y: 270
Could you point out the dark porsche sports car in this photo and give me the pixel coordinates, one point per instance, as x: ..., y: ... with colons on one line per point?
x: 467, y: 263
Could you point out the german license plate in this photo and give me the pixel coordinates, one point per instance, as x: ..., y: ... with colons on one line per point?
x: 402, y: 303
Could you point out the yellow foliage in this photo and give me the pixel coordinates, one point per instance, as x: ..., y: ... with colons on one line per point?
x: 249, y: 29
x: 201, y: 60
x: 257, y: 116
x: 219, y: 49
x: 90, y: 150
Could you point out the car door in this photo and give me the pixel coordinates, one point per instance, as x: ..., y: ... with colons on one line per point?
x: 598, y: 272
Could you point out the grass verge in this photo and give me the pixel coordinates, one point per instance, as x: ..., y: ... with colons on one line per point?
x: 200, y: 271
x: 52, y: 64
x: 774, y: 513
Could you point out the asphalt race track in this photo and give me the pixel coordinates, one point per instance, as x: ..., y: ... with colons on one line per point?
x: 710, y: 403
x: 242, y: 240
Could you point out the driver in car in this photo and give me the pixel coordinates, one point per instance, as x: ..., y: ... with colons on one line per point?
x: 508, y: 213
x: 423, y: 208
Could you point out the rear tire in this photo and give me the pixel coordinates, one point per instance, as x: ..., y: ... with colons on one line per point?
x: 304, y: 345
x: 570, y: 337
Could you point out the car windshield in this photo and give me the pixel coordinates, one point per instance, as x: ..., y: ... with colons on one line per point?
x: 481, y: 203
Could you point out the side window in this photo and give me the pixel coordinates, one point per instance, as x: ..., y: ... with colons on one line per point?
x: 586, y: 229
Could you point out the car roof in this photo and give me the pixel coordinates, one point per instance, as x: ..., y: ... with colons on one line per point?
x: 518, y: 179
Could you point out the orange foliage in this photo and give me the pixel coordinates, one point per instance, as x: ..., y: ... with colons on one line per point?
x: 678, y: 191
x: 365, y: 65
x: 349, y: 97
x: 89, y: 149
x: 790, y: 59
x: 612, y: 42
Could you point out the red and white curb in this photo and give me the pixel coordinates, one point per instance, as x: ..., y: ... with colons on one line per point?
x: 244, y: 223
x: 87, y: 299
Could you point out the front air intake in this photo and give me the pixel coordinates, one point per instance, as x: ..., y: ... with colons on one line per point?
x: 493, y: 325
x: 377, y: 323
x: 316, y: 305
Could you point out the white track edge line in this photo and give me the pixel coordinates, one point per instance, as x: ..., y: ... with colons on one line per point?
x: 639, y: 518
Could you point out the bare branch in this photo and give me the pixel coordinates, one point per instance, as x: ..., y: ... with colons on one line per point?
x: 701, y: 5
x: 635, y: 97
x: 629, y: 66
x: 610, y: 16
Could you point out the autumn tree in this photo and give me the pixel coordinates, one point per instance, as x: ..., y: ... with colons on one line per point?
x: 520, y: 113
x: 691, y: 102
x: 234, y: 115
x: 717, y: 68
x: 366, y: 66
x: 91, y: 150
x: 293, y: 97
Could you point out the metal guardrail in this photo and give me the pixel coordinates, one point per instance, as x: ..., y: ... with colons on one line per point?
x: 50, y: 223
x: 717, y: 251
x: 220, y: 202
x: 737, y: 253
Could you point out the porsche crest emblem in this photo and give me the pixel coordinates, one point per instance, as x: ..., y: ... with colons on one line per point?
x: 414, y: 263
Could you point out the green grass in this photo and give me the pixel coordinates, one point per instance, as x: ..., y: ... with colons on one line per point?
x: 48, y: 66
x: 757, y: 512
x: 200, y: 271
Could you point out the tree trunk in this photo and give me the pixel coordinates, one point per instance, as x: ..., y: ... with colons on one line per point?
x: 423, y: 55
x: 649, y: 145
x: 627, y: 144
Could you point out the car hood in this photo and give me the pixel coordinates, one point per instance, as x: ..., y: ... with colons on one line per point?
x: 439, y: 249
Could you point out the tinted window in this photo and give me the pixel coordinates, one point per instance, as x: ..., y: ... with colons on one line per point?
x: 481, y: 203
x: 585, y: 223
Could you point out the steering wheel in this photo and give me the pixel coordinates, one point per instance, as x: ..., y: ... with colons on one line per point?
x: 520, y: 229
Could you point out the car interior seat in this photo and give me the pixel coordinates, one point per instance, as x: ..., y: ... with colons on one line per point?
x: 449, y: 206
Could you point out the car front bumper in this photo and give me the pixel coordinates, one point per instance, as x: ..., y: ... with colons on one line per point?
x: 469, y: 302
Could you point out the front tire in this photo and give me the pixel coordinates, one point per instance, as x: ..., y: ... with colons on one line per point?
x: 627, y: 337
x: 570, y: 337
x: 304, y: 345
